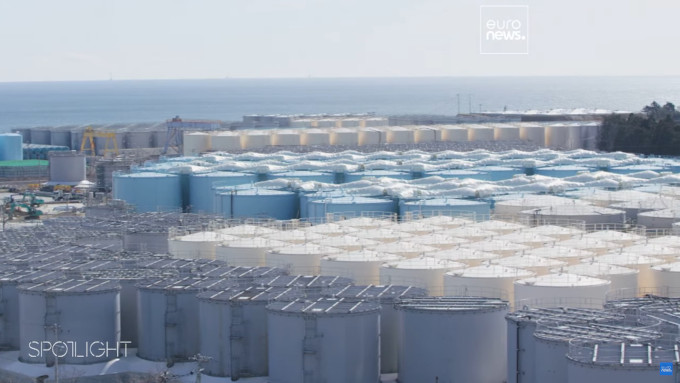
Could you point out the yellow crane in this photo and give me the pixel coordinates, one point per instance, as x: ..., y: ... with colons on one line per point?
x: 88, y: 138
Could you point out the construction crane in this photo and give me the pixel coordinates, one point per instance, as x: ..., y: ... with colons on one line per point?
x: 88, y: 138
x: 177, y: 125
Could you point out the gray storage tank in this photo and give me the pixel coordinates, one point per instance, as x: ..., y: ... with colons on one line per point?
x: 452, y: 339
x: 167, y: 317
x: 233, y: 325
x: 85, y: 315
x: 318, y: 341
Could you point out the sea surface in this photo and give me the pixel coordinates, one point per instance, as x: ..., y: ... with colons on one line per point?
x: 32, y: 104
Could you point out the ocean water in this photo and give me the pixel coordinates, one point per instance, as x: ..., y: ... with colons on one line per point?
x: 65, y: 103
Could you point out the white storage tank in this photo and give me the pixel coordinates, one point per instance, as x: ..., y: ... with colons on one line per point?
x: 443, y: 206
x: 468, y: 256
x: 346, y: 242
x: 425, y: 134
x: 344, y: 137
x: 504, y: 132
x: 423, y: 272
x: 66, y: 168
x: 286, y: 137
x: 621, y: 238
x: 596, y: 246
x: 454, y: 133
x: 449, y: 339
x: 561, y: 289
x: 440, y: 241
x: 225, y: 141
x: 400, y: 135
x: 567, y: 254
x: 76, y: 312
x: 195, y: 143
x: 659, y: 219
x: 642, y: 263
x: 668, y: 254
x: 316, y: 341
x: 667, y: 279
x: 299, y: 259
x: 315, y: 137
x: 233, y: 327
x: 532, y: 133
x: 248, y: 231
x: 560, y: 233
x: 255, y: 139
x: 248, y: 251
x: 500, y: 247
x: 538, y: 265
x: 485, y: 280
x: 558, y: 136
x: 199, y: 245
x: 363, y: 266
x: 296, y: 236
x: 369, y: 136
x: 590, y: 215
x: 622, y: 278
x: 390, y: 335
x: 513, y: 207
x: 480, y: 133
x: 527, y: 238
x: 148, y: 191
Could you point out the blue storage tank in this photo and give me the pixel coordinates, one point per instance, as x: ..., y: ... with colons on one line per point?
x: 11, y: 147
x: 498, y: 173
x: 561, y: 171
x: 444, y: 206
x: 306, y: 176
x: 149, y: 191
x: 201, y: 193
x: 305, y: 198
x: 637, y: 168
x: 259, y: 203
x: 351, y: 177
x: 352, y: 206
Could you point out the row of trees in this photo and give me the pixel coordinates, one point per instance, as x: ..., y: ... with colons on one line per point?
x: 654, y: 131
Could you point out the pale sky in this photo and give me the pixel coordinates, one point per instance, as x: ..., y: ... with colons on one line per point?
x: 49, y: 40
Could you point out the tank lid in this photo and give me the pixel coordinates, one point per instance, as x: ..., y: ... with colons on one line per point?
x: 380, y: 292
x: 253, y: 293
x: 452, y: 304
x: 303, y: 281
x: 325, y: 307
x: 70, y: 286
x: 564, y: 315
x: 186, y: 285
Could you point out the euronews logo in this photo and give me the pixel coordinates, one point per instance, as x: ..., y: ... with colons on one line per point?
x: 504, y: 29
x: 666, y: 369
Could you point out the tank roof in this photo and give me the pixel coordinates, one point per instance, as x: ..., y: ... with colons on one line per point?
x: 562, y: 280
x: 185, y: 285
x: 380, y: 292
x: 325, y: 307
x: 595, y: 332
x: 70, y: 286
x: 303, y: 281
x: 452, y: 304
x: 253, y: 293
x: 425, y: 263
x: 565, y: 315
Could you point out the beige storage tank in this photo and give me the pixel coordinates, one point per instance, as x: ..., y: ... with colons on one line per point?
x: 440, y: 241
x: 400, y: 135
x: 454, y: 133
x: 480, y: 133
x: 363, y: 266
x: 642, y: 263
x: 249, y: 252
x: 370, y: 136
x: 424, y: 134
x: 667, y: 277
x: 299, y: 259
x: 285, y: 137
x: 558, y: 136
x: 195, y: 143
x: 560, y: 290
x: 488, y: 280
x: 622, y: 278
x: 255, y: 139
x: 315, y: 137
x: 538, y: 265
x: 532, y: 133
x: 423, y: 272
x: 504, y: 132
x: 226, y: 141
x: 344, y: 137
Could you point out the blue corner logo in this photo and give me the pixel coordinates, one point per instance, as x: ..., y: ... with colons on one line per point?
x: 666, y: 369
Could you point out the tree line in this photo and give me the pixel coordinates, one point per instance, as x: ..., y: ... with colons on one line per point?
x: 656, y: 130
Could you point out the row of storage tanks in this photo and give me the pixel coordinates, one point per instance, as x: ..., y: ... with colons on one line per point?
x: 258, y: 322
x: 568, y: 135
x: 450, y: 256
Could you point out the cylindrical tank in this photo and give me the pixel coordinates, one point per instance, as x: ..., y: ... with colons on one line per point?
x: 480, y: 133
x: 260, y: 203
x: 443, y: 206
x: 513, y: 207
x: 346, y: 243
x: 558, y: 136
x: 168, y: 313
x: 201, y: 188
x: 503, y: 132
x: 233, y: 327
x: 255, y: 139
x: 226, y: 141
x: 560, y: 233
x: 362, y: 266
x: 306, y: 176
x: 195, y: 143
x: 500, y: 247
x: 532, y: 133
x: 135, y: 139
x: 622, y: 278
x: 423, y: 272
x: 344, y: 137
x: 245, y: 251
x: 11, y: 148
x: 538, y: 265
x: 454, y: 133
x: 642, y: 263
x: 316, y: 341
x: 67, y: 167
x: 299, y: 259
x: 368, y: 136
x: 561, y: 289
x: 318, y: 210
x: 83, y: 315
x: 148, y: 191
x: 315, y: 137
x: 485, y: 280
x: 659, y: 219
x: 452, y: 339
x: 199, y: 245
x: 152, y: 241
x: 424, y: 134
x: 356, y: 176
x: 561, y: 253
x: 400, y: 135
x: 667, y: 279
x: 588, y: 214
